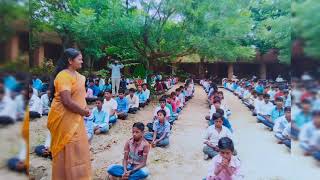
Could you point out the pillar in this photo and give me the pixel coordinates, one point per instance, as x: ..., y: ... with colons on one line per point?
x: 12, y: 48
x: 263, y: 71
x: 38, y: 58
x: 230, y: 71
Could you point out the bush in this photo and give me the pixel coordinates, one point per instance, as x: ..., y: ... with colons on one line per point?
x: 46, y: 69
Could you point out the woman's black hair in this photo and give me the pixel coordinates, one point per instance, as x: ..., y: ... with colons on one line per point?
x: 139, y: 125
x: 62, y: 64
x: 163, y: 112
x: 226, y: 143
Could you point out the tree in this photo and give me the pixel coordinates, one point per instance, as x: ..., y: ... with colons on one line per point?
x: 272, y: 27
x: 305, y: 25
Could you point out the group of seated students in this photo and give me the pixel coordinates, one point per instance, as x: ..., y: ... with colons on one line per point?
x: 277, y: 103
x: 12, y: 100
x: 137, y: 148
x: 163, y: 85
x: 13, y: 96
x: 218, y: 139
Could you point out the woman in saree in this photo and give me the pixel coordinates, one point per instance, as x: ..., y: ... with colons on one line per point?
x: 69, y: 143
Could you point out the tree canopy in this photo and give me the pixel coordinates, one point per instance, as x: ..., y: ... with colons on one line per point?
x: 146, y: 31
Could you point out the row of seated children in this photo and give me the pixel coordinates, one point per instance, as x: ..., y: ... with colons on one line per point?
x: 218, y: 141
x: 306, y: 116
x: 106, y: 112
x: 274, y: 115
x: 137, y: 148
x: 12, y: 101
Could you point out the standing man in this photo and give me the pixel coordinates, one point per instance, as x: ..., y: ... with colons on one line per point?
x: 115, y: 76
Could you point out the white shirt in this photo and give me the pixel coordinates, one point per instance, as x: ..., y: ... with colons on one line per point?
x: 308, y: 132
x: 133, y: 101
x: 257, y: 103
x: 48, y: 140
x: 181, y: 98
x: 265, y: 109
x: 8, y: 108
x: 166, y: 109
x: 212, y: 110
x: 45, y: 102
x: 19, y: 101
x: 110, y: 105
x: 213, y: 136
x: 35, y: 104
x: 280, y: 124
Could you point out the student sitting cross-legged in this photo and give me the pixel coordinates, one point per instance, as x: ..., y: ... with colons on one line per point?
x: 161, y: 130
x: 35, y: 106
x: 301, y: 118
x: 309, y: 136
x: 225, y: 123
x: 225, y: 166
x: 141, y: 95
x: 133, y: 101
x: 7, y: 109
x: 264, y: 109
x: 45, y: 101
x: 162, y: 106
x: 282, y: 127
x: 110, y: 105
x: 123, y: 105
x: 134, y: 162
x: 146, y: 92
x: 212, y: 136
x: 101, y: 118
x: 276, y: 112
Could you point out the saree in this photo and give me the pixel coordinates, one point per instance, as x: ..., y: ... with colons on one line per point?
x: 69, y: 142
x: 25, y: 136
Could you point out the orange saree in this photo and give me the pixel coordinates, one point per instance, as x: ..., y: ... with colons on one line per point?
x: 69, y: 142
x: 25, y: 136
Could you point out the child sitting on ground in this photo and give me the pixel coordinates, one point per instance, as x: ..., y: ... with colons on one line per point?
x: 110, y: 105
x: 309, y: 136
x: 136, y: 152
x: 35, y: 106
x: 276, y: 112
x: 225, y: 166
x: 101, y: 118
x: 123, y: 105
x: 141, y: 96
x: 146, y: 92
x: 225, y: 123
x: 161, y: 131
x: 45, y: 101
x: 264, y: 109
x: 133, y: 101
x: 212, y: 136
x: 162, y: 106
x: 281, y: 127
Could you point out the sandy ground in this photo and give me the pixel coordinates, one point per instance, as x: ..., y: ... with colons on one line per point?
x: 261, y: 156
x: 10, y: 139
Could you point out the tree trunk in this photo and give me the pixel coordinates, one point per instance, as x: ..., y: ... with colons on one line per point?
x: 230, y: 71
x: 201, y: 68
x: 263, y: 71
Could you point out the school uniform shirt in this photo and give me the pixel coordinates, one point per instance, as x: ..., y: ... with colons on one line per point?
x: 302, y: 118
x: 133, y: 101
x: 147, y: 93
x: 265, y: 109
x: 315, y: 140
x: 123, y: 105
x: 141, y: 96
x: 276, y: 113
x: 8, y: 108
x: 89, y: 125
x: 166, y: 109
x: 307, y: 133
x: 280, y: 124
x: 213, y: 136
x: 182, y: 100
x: 161, y: 128
x: 45, y: 102
x: 95, y: 90
x: 234, y: 165
x: 101, y: 118
x: 136, y: 151
x: 110, y: 105
x: 35, y: 104
x: 19, y: 101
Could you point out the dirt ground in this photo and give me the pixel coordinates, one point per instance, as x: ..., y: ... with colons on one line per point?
x: 262, y: 158
x: 10, y: 144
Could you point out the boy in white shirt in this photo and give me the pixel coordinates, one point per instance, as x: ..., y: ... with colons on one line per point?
x: 110, y: 105
x: 212, y: 136
x: 35, y: 106
x: 281, y: 126
x: 133, y: 101
x: 146, y: 92
x: 45, y: 102
x: 257, y: 103
x: 264, y: 109
x: 7, y: 109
